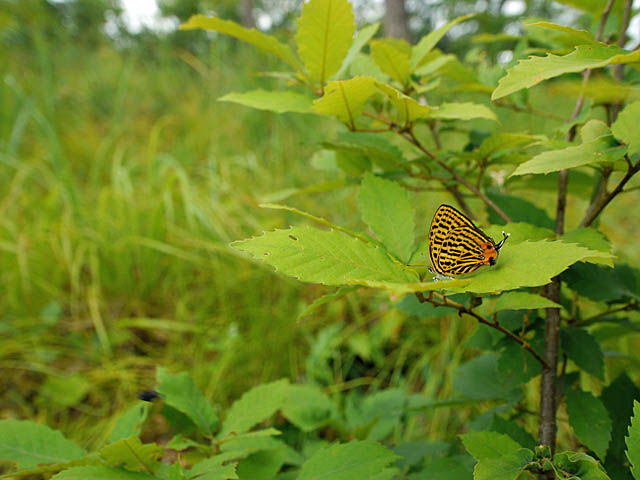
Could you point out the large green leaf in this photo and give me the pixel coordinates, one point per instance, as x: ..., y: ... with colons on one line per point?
x: 262, y: 465
x: 273, y: 101
x: 513, y: 430
x: 254, y: 406
x: 357, y: 460
x: 392, y: 56
x: 507, y: 467
x: 479, y: 379
x: 597, y: 150
x: 583, y: 350
x: 633, y: 441
x: 408, y: 108
x: 252, y: 36
x: 484, y: 445
x: 590, y: 238
x: 181, y: 393
x: 462, y: 111
x: 426, y: 43
x: 532, y: 71
x: 590, y: 420
x: 307, y: 407
x: 625, y: 128
x: 129, y: 421
x: 603, y: 284
x: 345, y: 98
x: 579, y: 465
x: 30, y: 444
x: 325, y: 33
x: 386, y: 208
x: 569, y: 36
x: 327, y: 257
x: 522, y: 301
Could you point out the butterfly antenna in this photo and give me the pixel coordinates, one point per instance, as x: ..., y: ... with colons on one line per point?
x: 425, y: 259
x: 504, y: 239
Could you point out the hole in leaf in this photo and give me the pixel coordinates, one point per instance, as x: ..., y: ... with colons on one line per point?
x: 293, y: 237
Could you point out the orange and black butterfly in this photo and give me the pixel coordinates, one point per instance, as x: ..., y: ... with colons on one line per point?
x: 457, y: 246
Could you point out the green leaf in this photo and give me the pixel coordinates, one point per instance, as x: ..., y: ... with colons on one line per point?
x: 412, y: 453
x: 479, y: 379
x: 523, y: 301
x: 583, y: 350
x: 603, y: 284
x: 386, y: 208
x: 392, y: 56
x: 532, y: 71
x: 254, y: 37
x: 513, y: 430
x: 633, y: 441
x: 625, y: 128
x: 506, y: 467
x: 462, y: 111
x: 254, y: 406
x: 385, y: 408
x: 589, y: 419
x: 357, y: 460
x: 572, y: 36
x: 262, y: 465
x: 30, y: 444
x: 489, y: 445
x: 515, y: 269
x: 590, y: 238
x: 273, y: 101
x: 362, y: 38
x: 181, y: 393
x: 100, y: 473
x: 345, y: 98
x: 132, y: 454
x: 218, y: 467
x: 521, y: 210
x: 371, y: 145
x: 443, y: 468
x: 618, y: 398
x: 64, y: 390
x: 516, y: 366
x: 426, y: 43
x: 307, y: 407
x: 592, y: 151
x: 579, y: 465
x: 408, y: 109
x: 325, y: 33
x: 252, y: 442
x: 129, y: 421
x: 327, y: 257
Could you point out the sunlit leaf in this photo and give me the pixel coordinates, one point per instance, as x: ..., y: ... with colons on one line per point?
x: 625, y: 128
x: 345, y: 98
x: 362, y: 38
x: 392, y: 56
x: 273, y: 101
x: 131, y: 453
x: 462, y: 111
x: 426, y: 43
x: 522, y: 301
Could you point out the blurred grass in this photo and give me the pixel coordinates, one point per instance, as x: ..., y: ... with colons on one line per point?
x: 122, y: 183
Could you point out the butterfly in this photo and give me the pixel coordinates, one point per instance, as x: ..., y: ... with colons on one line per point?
x: 457, y: 246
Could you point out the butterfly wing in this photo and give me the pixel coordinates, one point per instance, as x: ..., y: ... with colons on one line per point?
x: 461, y: 251
x: 444, y: 221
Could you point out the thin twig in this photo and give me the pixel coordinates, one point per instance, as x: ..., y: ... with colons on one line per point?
x: 462, y: 310
x: 410, y: 137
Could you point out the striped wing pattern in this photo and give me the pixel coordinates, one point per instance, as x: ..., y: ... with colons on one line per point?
x: 456, y: 245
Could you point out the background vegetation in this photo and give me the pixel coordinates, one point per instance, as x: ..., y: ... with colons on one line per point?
x: 122, y: 183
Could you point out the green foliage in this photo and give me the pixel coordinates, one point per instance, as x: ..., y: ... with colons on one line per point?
x: 633, y: 442
x: 278, y: 102
x: 590, y: 421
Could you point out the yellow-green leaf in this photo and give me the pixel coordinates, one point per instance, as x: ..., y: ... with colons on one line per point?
x: 325, y: 33
x: 392, y: 56
x: 274, y: 101
x: 345, y: 98
x: 462, y: 111
x: 625, y: 128
x: 254, y: 37
x: 408, y: 108
x: 430, y: 40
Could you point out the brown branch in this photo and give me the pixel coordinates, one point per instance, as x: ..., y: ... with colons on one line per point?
x: 462, y: 310
x: 410, y: 137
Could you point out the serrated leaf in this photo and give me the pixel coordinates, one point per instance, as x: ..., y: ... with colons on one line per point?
x: 51, y: 468
x: 590, y: 238
x: 633, y: 441
x: 132, y: 454
x: 506, y: 467
x: 523, y: 301
x: 597, y: 150
x: 180, y: 392
x: 589, y: 419
x: 603, y: 284
x: 462, y: 111
x: 254, y: 406
x: 583, y: 350
x: 426, y: 43
x: 327, y: 257
x: 513, y: 430
x: 487, y: 445
x: 408, y: 109
x: 101, y: 473
x: 515, y: 268
x: 392, y: 56
x: 273, y: 101
x: 579, y: 465
x: 362, y: 38
x: 385, y: 207
x: 325, y: 33
x: 345, y: 98
x: 625, y: 128
x: 30, y: 444
x: 532, y: 71
x: 571, y: 37
x: 129, y: 421
x: 307, y: 407
x: 254, y: 37
x: 357, y: 460
x: 218, y: 467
